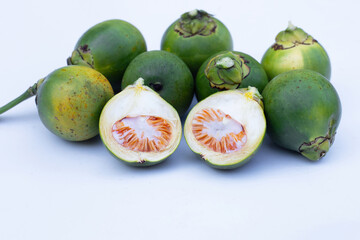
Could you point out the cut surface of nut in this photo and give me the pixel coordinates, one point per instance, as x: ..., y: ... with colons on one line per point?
x: 142, y: 133
x: 218, y: 131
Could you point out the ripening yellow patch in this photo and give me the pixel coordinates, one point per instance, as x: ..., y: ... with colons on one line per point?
x: 249, y: 95
x: 139, y: 86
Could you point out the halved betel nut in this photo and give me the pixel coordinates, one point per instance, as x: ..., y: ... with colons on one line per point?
x: 139, y: 127
x: 226, y: 128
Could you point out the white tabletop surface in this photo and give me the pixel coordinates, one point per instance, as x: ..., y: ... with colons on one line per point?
x: 54, y: 189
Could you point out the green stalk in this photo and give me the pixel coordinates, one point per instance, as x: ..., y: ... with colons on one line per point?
x: 31, y: 91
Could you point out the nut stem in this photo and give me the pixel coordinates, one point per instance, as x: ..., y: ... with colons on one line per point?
x: 291, y: 27
x: 31, y: 91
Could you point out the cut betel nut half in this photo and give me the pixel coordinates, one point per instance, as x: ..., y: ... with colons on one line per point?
x: 139, y: 127
x: 226, y: 128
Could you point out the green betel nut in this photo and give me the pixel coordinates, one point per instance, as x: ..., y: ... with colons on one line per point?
x: 70, y: 101
x: 295, y: 49
x: 229, y: 70
x: 166, y: 74
x: 303, y: 111
x: 109, y: 47
x: 196, y: 36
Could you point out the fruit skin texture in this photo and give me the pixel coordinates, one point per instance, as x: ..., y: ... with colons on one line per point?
x: 196, y: 49
x: 256, y: 77
x: 303, y: 111
x: 166, y: 74
x: 70, y: 101
x: 109, y: 47
x: 288, y: 54
x: 244, y: 105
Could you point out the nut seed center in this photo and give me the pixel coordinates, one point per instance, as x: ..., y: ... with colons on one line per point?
x: 218, y: 131
x: 142, y: 133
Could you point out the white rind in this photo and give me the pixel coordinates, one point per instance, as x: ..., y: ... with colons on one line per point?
x: 242, y: 109
x: 135, y: 101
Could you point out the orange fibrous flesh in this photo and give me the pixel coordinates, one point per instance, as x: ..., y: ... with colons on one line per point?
x: 218, y: 131
x: 142, y: 133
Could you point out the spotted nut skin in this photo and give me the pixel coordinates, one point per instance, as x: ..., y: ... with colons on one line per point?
x: 70, y: 101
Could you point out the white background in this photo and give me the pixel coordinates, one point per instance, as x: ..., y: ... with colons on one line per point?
x: 54, y: 189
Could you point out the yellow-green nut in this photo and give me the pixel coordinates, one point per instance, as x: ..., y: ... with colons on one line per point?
x: 295, y: 49
x: 70, y: 100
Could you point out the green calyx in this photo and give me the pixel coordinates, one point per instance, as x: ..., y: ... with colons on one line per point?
x: 226, y: 71
x: 291, y: 37
x: 195, y: 22
x: 81, y: 56
x: 318, y: 147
